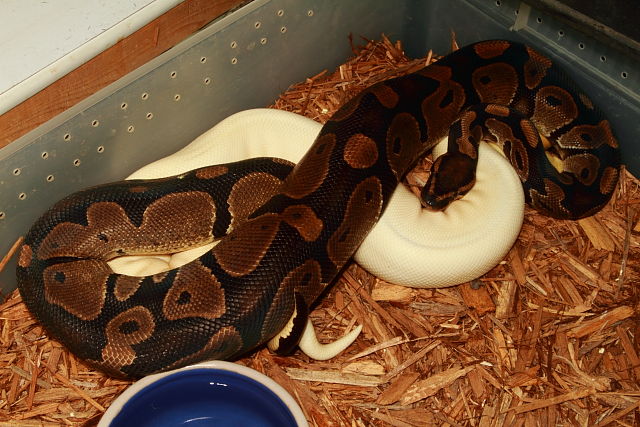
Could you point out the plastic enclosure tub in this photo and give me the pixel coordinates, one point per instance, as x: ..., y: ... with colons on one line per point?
x: 245, y: 59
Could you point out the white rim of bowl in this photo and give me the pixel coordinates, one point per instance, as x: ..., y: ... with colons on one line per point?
x: 116, y: 406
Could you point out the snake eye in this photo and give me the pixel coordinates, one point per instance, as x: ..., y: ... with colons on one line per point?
x: 103, y: 237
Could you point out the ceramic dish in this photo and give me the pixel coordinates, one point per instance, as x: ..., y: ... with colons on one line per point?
x: 211, y: 393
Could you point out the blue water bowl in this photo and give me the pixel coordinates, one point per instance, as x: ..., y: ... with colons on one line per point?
x: 209, y: 394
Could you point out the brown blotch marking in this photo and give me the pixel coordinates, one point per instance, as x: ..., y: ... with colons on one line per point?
x: 241, y: 251
x: 210, y: 172
x: 468, y: 135
x: 442, y: 107
x: 583, y: 166
x: 530, y: 132
x: 159, y: 277
x: 518, y: 156
x: 304, y: 280
x: 549, y: 201
x: 360, y: 151
x: 123, y: 331
x: 223, y: 345
x: 495, y: 83
x: 186, y: 220
x: 609, y: 180
x: 308, y: 280
x: 26, y: 256
x: 78, y: 287
x: 311, y: 171
x: 535, y: 68
x: 126, y: 286
x: 586, y: 101
x: 171, y: 223
x: 362, y: 212
x: 491, y: 49
x: 249, y: 193
x: 498, y: 110
x: 347, y: 109
x: 386, y: 96
x: 195, y: 293
x: 138, y: 189
x: 403, y: 142
x: 305, y: 220
x: 588, y: 136
x: 554, y: 108
x: 68, y: 239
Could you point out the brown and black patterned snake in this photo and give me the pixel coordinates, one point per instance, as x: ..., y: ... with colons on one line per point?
x: 286, y: 233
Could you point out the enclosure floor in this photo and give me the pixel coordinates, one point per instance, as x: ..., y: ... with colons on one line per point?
x: 548, y: 337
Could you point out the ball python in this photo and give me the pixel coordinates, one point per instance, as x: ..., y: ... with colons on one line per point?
x: 282, y: 251
x: 408, y: 246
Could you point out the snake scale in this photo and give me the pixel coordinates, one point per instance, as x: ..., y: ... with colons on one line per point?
x: 285, y: 234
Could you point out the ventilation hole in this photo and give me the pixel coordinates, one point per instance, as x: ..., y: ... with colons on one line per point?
x: 234, y: 61
x: 207, y: 80
x: 17, y: 171
x: 581, y: 45
x: 203, y: 59
x: 173, y: 74
x: 100, y: 149
x: 176, y: 97
x: 309, y: 13
x: 257, y: 25
x: 22, y: 196
x: 624, y: 75
x: 603, y: 58
x: 283, y: 30
x: 263, y: 40
x: 498, y: 3
x: 2, y: 215
x: 50, y: 178
x: 124, y: 106
x: 515, y: 12
x: 539, y: 20
x: 280, y: 12
x: 131, y: 128
x: 144, y: 95
x: 76, y: 162
x: 561, y: 33
x: 95, y: 123
x: 67, y: 137
x: 44, y: 155
x: 234, y: 45
x: 149, y: 116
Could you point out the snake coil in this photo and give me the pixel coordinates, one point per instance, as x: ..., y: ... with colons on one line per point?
x: 286, y: 233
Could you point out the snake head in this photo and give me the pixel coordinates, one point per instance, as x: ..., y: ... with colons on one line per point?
x: 452, y: 176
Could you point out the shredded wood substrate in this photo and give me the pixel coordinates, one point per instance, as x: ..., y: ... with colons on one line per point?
x: 548, y: 337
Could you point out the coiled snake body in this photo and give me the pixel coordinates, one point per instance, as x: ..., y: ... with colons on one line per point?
x: 287, y: 233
